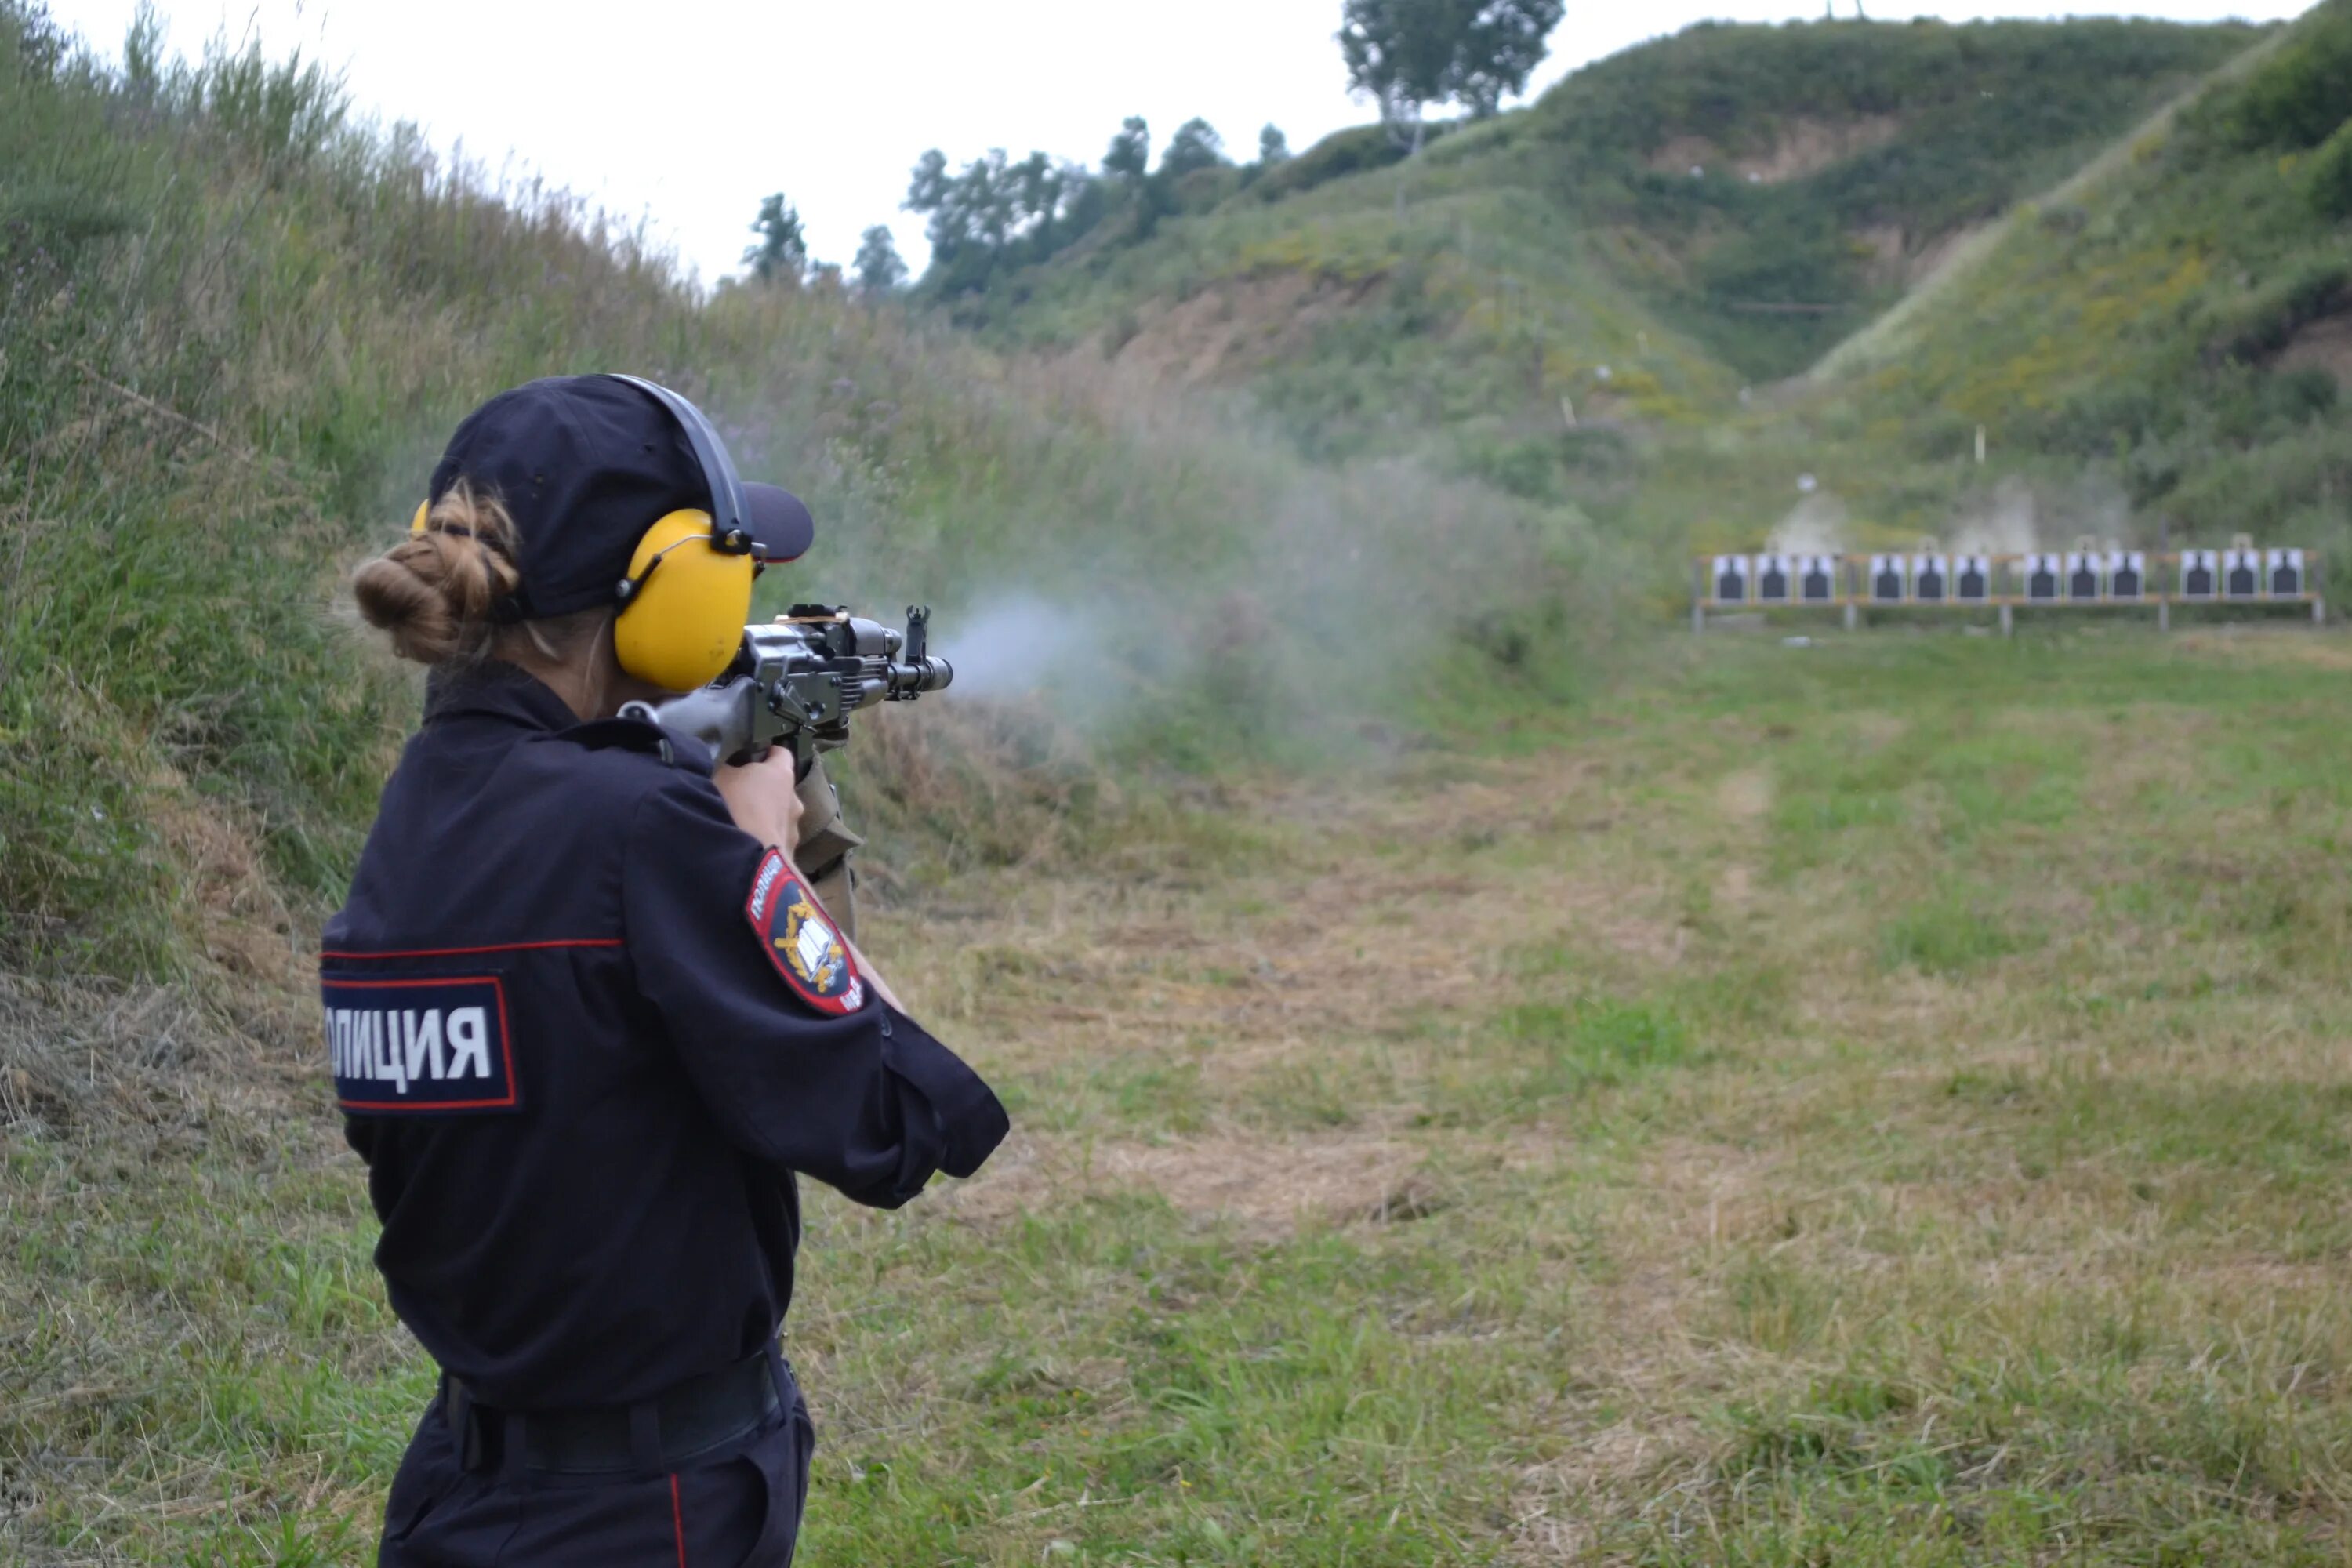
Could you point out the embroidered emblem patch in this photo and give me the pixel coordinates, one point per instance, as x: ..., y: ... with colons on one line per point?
x: 800, y: 941
x: 437, y: 1045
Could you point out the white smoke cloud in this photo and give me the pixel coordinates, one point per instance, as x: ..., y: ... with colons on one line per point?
x: 1814, y: 526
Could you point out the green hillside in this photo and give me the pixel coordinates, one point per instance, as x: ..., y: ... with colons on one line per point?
x: 1694, y: 216
x: 233, y: 333
x: 2179, y: 317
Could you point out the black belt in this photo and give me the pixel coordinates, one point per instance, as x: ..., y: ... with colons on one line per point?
x: 662, y: 1433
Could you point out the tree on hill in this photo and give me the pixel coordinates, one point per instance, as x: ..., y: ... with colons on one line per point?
x: 1129, y: 154
x: 878, y: 268
x: 781, y: 252
x: 1195, y: 145
x: 1273, y: 147
x: 1407, y: 55
x: 998, y: 213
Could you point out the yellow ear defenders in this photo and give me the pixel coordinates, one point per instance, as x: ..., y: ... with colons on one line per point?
x: 682, y: 605
x: 688, y: 591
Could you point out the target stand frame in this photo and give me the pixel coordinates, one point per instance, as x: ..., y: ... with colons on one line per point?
x: 2083, y: 578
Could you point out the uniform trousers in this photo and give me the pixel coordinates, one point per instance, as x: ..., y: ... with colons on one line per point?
x: 737, y: 1506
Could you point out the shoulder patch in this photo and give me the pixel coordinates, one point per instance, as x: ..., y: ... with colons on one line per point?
x: 799, y: 941
x: 435, y: 1044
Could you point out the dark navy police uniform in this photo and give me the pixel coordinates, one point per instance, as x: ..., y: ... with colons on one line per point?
x: 586, y: 1032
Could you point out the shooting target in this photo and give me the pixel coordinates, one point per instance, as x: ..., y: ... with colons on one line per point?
x: 2042, y: 578
x: 1817, y: 578
x: 1730, y: 579
x: 1886, y: 579
x: 1931, y: 578
x: 1972, y: 580
x: 1775, y: 579
x: 2200, y: 574
x: 2083, y: 578
x: 2242, y: 573
x: 2285, y: 575
x: 2127, y: 574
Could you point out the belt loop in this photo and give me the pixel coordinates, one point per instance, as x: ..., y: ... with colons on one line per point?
x: 645, y: 1437
x: 464, y: 1423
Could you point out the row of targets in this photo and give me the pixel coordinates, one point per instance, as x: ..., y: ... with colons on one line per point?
x: 1777, y: 579
x: 2082, y: 577
x: 2076, y: 577
x: 2243, y: 573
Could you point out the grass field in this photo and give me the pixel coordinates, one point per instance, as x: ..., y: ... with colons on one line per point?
x: 1882, y: 1103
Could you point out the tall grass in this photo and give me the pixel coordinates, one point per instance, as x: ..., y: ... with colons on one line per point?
x: 235, y: 326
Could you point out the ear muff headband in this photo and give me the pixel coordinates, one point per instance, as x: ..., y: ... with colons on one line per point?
x: 682, y: 618
x: 728, y: 510
x: 688, y: 591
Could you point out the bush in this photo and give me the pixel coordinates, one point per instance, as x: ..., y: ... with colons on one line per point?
x: 2298, y: 97
x: 2297, y: 397
x: 1338, y: 155
x: 2253, y: 328
x: 2327, y: 178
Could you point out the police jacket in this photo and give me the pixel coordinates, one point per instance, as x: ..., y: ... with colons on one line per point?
x: 584, y: 1031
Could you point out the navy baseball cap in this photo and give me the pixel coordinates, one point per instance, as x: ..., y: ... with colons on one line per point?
x: 584, y: 465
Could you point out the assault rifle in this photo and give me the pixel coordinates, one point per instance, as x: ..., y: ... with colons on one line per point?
x: 796, y: 680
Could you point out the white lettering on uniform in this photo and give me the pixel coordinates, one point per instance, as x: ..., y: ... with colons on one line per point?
x: 424, y: 1043
x: 385, y: 1046
x: 390, y: 1023
x: 408, y: 1047
x: 770, y: 870
x: 468, y: 1040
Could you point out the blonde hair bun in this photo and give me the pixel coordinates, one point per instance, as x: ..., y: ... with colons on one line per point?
x: 436, y: 590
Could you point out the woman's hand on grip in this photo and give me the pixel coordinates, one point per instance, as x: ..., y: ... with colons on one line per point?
x: 763, y: 797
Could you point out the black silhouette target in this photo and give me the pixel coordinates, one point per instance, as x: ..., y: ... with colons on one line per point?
x: 2082, y: 578
x: 2042, y: 579
x: 2241, y: 574
x: 1886, y: 579
x: 2285, y: 573
x: 1731, y: 579
x: 1818, y: 580
x: 2127, y: 575
x: 1772, y: 579
x: 1931, y: 579
x: 1972, y: 580
x: 2200, y: 574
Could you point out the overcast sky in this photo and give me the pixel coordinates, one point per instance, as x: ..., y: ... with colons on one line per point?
x: 687, y: 112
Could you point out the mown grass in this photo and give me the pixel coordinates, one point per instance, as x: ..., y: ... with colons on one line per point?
x: 1629, y: 1147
